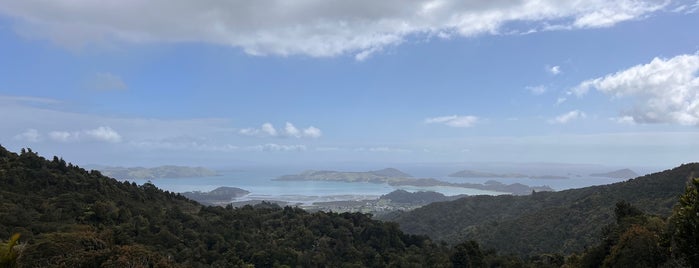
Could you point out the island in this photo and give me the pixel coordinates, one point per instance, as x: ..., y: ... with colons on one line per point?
x: 143, y: 173
x: 617, y: 174
x: 218, y: 196
x: 376, y: 176
x: 478, y: 174
x: 394, y: 177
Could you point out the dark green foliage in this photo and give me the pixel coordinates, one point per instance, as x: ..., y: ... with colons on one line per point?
x: 74, y: 218
x: 685, y: 220
x: 545, y: 222
x: 467, y: 254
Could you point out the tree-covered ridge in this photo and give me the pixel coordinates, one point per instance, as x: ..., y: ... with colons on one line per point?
x: 545, y: 222
x: 70, y: 217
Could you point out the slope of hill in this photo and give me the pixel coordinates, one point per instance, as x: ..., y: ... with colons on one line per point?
x: 70, y: 217
x: 561, y: 222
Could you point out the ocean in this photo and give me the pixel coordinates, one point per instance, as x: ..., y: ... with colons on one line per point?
x: 259, y: 182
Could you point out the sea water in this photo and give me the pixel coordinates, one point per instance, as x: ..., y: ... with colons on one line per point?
x: 262, y: 186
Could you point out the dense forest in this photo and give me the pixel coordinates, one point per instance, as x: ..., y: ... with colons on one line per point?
x: 55, y: 214
x: 545, y: 222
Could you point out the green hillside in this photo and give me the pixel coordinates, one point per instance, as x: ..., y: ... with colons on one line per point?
x: 55, y: 214
x: 69, y: 217
x: 559, y: 222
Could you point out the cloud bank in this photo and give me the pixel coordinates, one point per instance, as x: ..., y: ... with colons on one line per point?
x: 665, y: 90
x: 101, y: 134
x: 318, y: 28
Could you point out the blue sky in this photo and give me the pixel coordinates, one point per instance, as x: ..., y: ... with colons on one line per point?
x: 316, y: 82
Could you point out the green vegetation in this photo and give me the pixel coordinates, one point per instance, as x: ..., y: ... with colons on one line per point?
x: 69, y: 217
x: 544, y: 222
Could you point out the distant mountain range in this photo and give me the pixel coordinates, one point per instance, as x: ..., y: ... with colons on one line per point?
x: 142, y: 173
x: 394, y: 177
x: 563, y: 222
x: 617, y: 174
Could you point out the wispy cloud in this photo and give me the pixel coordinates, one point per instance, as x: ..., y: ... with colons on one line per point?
x: 273, y: 147
x: 102, y: 134
x: 567, y: 117
x: 666, y: 90
x: 29, y: 135
x: 454, y: 120
x: 289, y: 130
x: 536, y: 90
x: 315, y: 28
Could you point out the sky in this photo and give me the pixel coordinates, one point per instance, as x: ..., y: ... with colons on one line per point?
x: 228, y: 83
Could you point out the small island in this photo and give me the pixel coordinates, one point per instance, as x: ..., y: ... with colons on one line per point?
x: 218, y: 196
x: 142, y: 173
x: 394, y: 177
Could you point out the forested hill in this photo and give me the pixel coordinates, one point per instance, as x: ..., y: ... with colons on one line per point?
x: 562, y: 222
x: 70, y: 217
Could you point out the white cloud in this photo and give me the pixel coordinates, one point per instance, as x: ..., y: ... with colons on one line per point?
x: 63, y: 136
x: 317, y: 28
x: 312, y: 132
x: 291, y: 130
x: 106, y: 82
x: 666, y: 90
x: 555, y: 70
x: 30, y: 135
x: 567, y: 117
x: 103, y: 134
x: 268, y: 130
x: 537, y: 90
x: 454, y: 120
x: 273, y: 147
x: 623, y: 120
x: 106, y: 134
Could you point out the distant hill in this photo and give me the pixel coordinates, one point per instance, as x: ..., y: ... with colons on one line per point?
x: 141, y: 173
x: 564, y: 222
x: 617, y: 174
x: 395, y: 177
x: 377, y: 176
x: 421, y: 197
x: 479, y: 174
x: 391, y: 173
x: 218, y: 196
